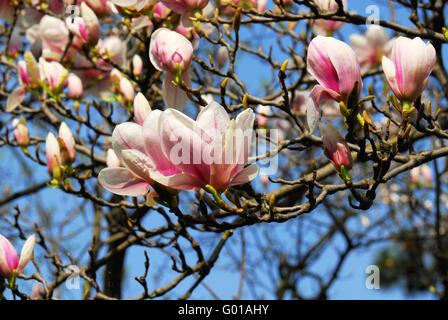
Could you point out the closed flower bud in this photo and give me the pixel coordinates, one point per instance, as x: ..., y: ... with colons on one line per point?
x: 169, y: 48
x: 54, y: 75
x: 20, y: 131
x: 53, y: 155
x: 75, y: 87
x: 335, y: 147
x: 137, y: 65
x: 141, y: 108
x: 69, y: 143
x: 408, y: 69
x: 127, y: 90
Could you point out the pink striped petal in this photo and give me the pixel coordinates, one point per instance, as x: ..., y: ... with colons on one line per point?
x: 122, y: 182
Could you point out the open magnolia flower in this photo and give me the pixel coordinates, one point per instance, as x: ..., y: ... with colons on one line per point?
x: 9, y: 260
x: 178, y: 152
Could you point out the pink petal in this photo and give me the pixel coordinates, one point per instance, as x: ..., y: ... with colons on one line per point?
x: 245, y: 175
x: 183, y: 142
x: 213, y: 119
x: 319, y: 64
x: 127, y: 135
x: 122, y: 182
x: 9, y: 259
x: 138, y: 163
x: 152, y: 144
x: 179, y: 181
x: 27, y: 253
x: 15, y: 98
x: 174, y: 96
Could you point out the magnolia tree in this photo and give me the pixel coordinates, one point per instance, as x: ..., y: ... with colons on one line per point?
x: 236, y: 149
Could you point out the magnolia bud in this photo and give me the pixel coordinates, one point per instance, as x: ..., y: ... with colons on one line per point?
x: 68, y: 143
x: 20, y: 132
x: 141, y: 108
x: 137, y: 65
x: 335, y: 147
x: 75, y: 87
x: 127, y: 90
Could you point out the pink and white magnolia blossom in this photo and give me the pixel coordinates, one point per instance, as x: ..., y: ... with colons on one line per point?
x: 68, y: 141
x: 14, y: 43
x: 371, y: 47
x: 20, y: 131
x: 187, y: 8
x: 100, y: 7
x: 160, y: 11
x: 10, y: 262
x: 328, y: 27
x: 86, y: 27
x: 53, y: 75
x: 336, y: 68
x: 410, y: 65
x: 54, y: 36
x: 141, y: 108
x: 168, y: 51
x: 335, y: 147
x: 178, y: 152
x: 28, y: 69
x: 127, y: 89
x: 137, y: 65
x: 53, y: 154
x: 75, y: 86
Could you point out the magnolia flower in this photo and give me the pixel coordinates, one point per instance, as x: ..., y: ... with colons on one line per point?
x: 335, y: 147
x: 170, y: 51
x: 408, y: 69
x: 20, y: 131
x: 28, y: 69
x: 262, y: 112
x: 178, y: 152
x: 222, y: 56
x: 371, y: 46
x: 75, y: 87
x: 9, y: 260
x: 137, y: 65
x: 86, y: 27
x: 259, y: 5
x: 54, y: 36
x: 328, y: 27
x: 335, y: 66
x: 53, y: 156
x: 127, y: 89
x: 14, y: 43
x: 53, y: 74
x: 67, y: 144
x: 100, y: 7
x: 421, y: 174
x: 141, y: 108
x: 160, y: 11
x: 186, y: 8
